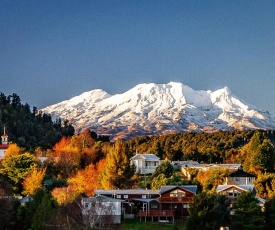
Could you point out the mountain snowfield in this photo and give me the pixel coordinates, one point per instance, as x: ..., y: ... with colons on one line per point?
x: 152, y: 108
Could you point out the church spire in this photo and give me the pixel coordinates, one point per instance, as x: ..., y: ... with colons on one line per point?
x: 4, y: 137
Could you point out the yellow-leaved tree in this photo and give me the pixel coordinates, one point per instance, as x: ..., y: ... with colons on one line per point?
x: 118, y: 172
x: 12, y: 150
x: 33, y: 181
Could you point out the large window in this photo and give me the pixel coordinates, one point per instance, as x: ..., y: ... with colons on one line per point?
x: 177, y: 193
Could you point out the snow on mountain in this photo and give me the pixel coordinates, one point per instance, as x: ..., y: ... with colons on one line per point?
x: 160, y: 109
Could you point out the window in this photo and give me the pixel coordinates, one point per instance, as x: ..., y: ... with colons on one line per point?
x: 143, y: 196
x: 118, y: 196
x: 126, y: 196
x: 185, y: 205
x: 177, y: 193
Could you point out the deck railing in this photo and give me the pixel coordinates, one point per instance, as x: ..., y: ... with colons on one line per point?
x: 156, y: 213
x: 176, y: 199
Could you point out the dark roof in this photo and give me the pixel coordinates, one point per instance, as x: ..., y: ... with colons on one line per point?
x: 240, y: 173
x: 127, y: 192
x: 190, y: 188
x: 101, y: 199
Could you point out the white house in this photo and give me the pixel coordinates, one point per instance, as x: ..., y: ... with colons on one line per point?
x: 4, y: 144
x: 101, y: 210
x: 233, y: 191
x: 240, y: 177
x: 145, y: 163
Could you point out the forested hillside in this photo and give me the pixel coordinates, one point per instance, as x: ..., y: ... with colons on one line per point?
x: 30, y: 129
x: 203, y: 147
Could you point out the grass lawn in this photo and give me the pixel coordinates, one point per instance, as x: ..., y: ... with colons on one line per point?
x: 136, y: 225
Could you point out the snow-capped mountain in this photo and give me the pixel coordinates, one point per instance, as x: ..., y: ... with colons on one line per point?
x: 159, y: 109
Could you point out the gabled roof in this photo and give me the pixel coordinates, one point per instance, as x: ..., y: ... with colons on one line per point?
x: 146, y: 156
x: 245, y: 188
x: 190, y: 188
x: 240, y: 173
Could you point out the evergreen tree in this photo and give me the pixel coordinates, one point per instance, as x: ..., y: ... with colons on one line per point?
x: 165, y: 168
x: 270, y: 214
x: 247, y: 213
x: 118, y: 172
x: 208, y: 211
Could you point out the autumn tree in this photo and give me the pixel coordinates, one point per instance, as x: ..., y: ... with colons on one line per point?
x: 86, y: 180
x: 118, y: 173
x: 211, y: 178
x: 33, y: 181
x: 265, y: 185
x: 16, y: 168
x: 67, y: 157
x: 12, y: 150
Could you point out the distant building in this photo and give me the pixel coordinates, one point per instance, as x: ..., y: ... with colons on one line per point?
x: 232, y: 192
x: 239, y: 177
x: 102, y: 210
x: 145, y: 163
x: 4, y: 144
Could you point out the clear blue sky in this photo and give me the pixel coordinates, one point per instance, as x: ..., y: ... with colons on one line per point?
x: 53, y: 50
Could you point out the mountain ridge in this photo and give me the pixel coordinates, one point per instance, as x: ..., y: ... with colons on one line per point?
x: 151, y: 108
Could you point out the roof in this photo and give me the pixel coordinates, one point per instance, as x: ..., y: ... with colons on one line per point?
x: 100, y: 198
x: 146, y: 156
x: 190, y: 188
x: 221, y: 188
x: 240, y: 173
x: 127, y: 192
x: 4, y: 146
x: 145, y: 199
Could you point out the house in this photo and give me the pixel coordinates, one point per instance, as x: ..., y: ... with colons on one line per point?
x: 177, y: 198
x: 239, y: 177
x: 4, y: 144
x: 128, y: 194
x: 233, y: 191
x: 145, y: 163
x: 168, y: 203
x: 101, y: 209
x: 184, y: 167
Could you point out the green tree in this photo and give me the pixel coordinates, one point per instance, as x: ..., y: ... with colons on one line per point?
x: 208, y: 211
x: 270, y: 214
x: 159, y: 181
x: 259, y: 154
x: 16, y: 168
x: 118, y: 173
x: 165, y: 168
x: 37, y: 212
x: 247, y: 213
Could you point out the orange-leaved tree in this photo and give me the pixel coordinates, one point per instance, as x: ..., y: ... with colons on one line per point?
x: 67, y: 157
x: 86, y: 180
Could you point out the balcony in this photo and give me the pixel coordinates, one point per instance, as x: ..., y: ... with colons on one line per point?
x: 185, y: 200
x: 155, y: 213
